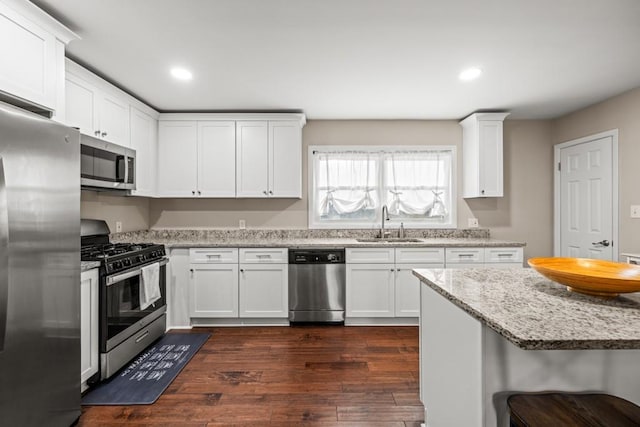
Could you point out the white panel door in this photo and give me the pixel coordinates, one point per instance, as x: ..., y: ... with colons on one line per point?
x: 407, y: 289
x: 264, y: 290
x: 586, y: 209
x: 214, y: 290
x: 251, y: 157
x: 177, y: 159
x: 217, y: 159
x: 114, y: 119
x: 370, y: 290
x: 285, y: 159
x: 88, y: 324
x: 143, y: 140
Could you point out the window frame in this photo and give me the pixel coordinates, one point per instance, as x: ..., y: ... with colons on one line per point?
x: 394, y: 223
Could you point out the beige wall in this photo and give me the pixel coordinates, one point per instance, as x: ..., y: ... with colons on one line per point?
x: 623, y: 113
x: 524, y: 214
x: 133, y: 212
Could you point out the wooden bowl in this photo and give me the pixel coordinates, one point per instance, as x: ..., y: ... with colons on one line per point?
x: 605, y: 279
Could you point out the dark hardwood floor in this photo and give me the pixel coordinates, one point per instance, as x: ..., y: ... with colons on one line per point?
x: 333, y: 376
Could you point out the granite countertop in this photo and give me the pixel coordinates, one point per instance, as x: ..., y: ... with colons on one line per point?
x: 88, y: 265
x: 535, y: 313
x: 308, y: 238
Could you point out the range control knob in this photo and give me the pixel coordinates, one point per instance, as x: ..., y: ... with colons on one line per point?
x: 332, y: 257
x: 126, y: 262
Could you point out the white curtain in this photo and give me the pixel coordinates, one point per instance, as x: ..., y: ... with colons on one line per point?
x: 417, y: 184
x: 346, y: 183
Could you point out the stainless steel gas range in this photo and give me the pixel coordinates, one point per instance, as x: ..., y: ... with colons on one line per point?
x: 128, y: 324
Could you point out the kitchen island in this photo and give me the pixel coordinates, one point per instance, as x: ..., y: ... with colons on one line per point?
x: 489, y: 333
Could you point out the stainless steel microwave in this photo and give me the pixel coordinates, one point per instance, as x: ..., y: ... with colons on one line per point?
x: 106, y: 166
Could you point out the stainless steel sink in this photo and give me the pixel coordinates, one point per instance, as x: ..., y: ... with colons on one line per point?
x: 389, y: 240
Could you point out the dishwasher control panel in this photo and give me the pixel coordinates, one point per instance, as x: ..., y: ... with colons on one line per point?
x: 316, y: 256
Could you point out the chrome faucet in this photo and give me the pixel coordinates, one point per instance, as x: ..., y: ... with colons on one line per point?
x: 385, y: 216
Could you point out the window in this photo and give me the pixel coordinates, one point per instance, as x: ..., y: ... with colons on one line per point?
x: 349, y: 186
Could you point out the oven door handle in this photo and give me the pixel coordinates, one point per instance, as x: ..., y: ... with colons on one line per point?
x: 133, y: 273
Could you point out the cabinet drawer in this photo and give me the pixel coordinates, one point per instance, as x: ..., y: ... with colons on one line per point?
x: 500, y: 255
x: 264, y: 255
x: 370, y: 255
x: 419, y: 255
x: 464, y: 255
x: 213, y: 256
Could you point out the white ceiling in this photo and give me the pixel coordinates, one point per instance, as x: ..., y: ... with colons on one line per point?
x: 361, y: 59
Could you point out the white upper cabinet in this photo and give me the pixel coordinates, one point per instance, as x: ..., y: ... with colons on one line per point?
x: 32, y: 50
x: 216, y: 159
x: 177, y: 158
x: 243, y: 155
x: 144, y: 136
x: 269, y: 159
x: 196, y: 159
x: 482, y: 163
x: 252, y: 149
x: 285, y: 159
x: 96, y: 110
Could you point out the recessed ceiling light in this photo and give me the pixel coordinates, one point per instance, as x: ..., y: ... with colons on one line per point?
x: 181, y: 73
x: 470, y: 74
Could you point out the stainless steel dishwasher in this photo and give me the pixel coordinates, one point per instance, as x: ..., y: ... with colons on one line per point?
x: 316, y: 285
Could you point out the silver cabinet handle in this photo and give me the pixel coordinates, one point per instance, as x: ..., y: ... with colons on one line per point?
x: 97, y: 133
x: 264, y: 192
x: 199, y: 193
x: 104, y: 134
x: 270, y: 192
x: 193, y: 192
x: 242, y: 270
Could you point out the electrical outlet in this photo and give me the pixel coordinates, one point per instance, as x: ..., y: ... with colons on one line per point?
x: 242, y: 224
x: 118, y: 226
x: 635, y: 211
x: 473, y: 222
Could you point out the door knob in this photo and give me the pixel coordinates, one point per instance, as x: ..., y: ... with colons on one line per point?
x: 601, y: 243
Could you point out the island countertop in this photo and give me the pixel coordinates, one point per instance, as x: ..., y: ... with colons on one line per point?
x: 535, y: 313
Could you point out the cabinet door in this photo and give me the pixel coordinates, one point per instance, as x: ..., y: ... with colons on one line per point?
x: 285, y: 159
x: 214, y: 290
x: 370, y: 290
x: 177, y: 159
x: 264, y: 290
x: 88, y: 324
x: 143, y: 140
x: 114, y: 119
x: 28, y: 68
x: 490, y: 168
x: 407, y: 296
x: 81, y: 103
x: 251, y: 157
x: 217, y: 159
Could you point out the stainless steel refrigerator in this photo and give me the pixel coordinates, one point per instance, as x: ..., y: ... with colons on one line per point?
x: 39, y: 270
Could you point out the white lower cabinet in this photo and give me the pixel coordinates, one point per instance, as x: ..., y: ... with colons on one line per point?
x: 387, y: 289
x: 370, y: 290
x: 264, y: 283
x: 214, y: 290
x: 233, y: 283
x: 264, y: 290
x: 213, y: 282
x: 88, y: 325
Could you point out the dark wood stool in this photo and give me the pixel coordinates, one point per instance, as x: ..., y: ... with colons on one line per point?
x: 572, y: 409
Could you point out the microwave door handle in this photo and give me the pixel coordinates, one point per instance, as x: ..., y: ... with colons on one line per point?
x: 4, y: 256
x: 129, y: 274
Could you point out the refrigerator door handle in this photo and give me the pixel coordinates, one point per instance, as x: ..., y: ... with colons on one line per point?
x: 4, y: 256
